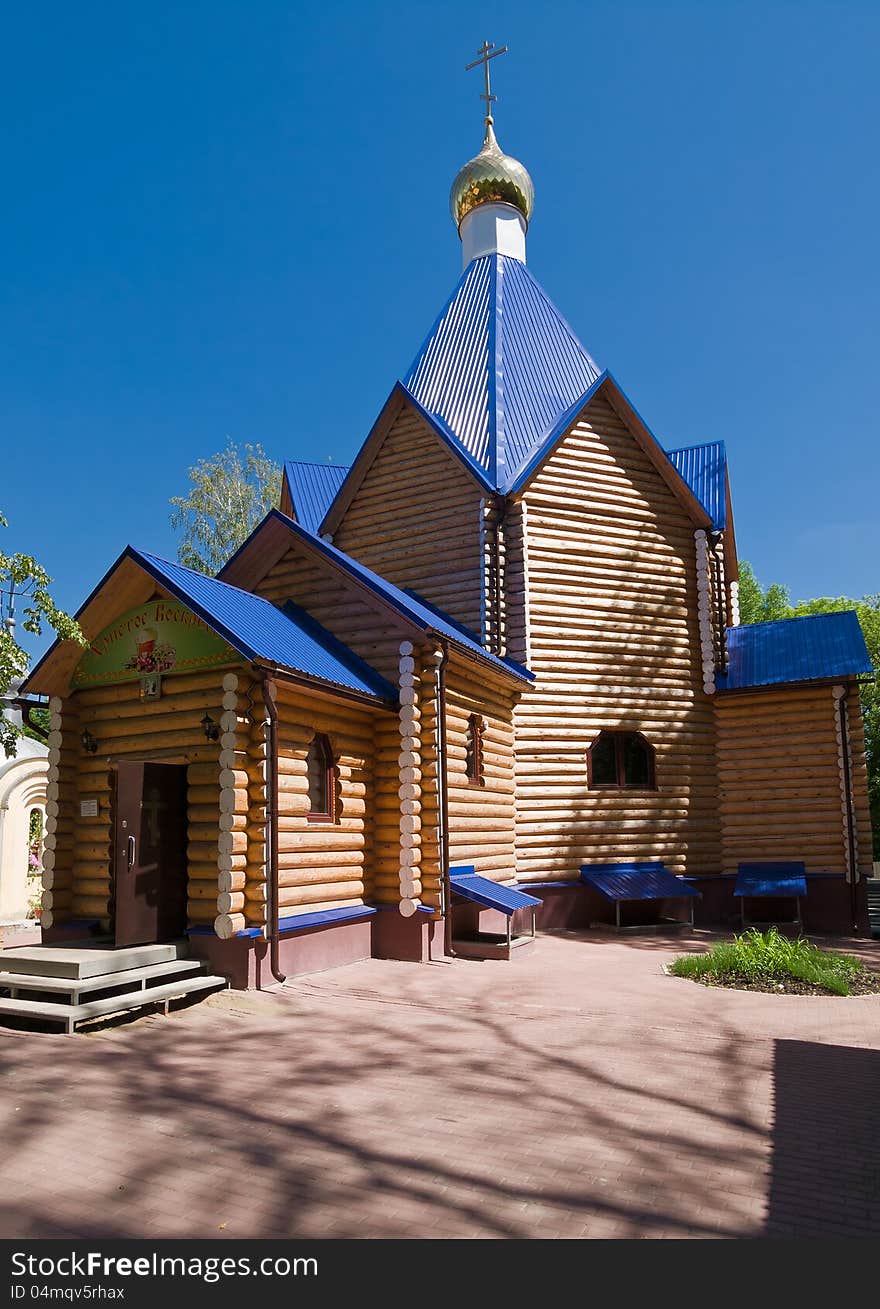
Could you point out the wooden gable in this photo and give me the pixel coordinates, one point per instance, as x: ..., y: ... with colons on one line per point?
x: 414, y: 516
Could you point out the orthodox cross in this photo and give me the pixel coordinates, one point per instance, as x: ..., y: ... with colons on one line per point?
x: 486, y: 52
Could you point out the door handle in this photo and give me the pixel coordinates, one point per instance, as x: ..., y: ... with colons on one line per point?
x: 131, y: 851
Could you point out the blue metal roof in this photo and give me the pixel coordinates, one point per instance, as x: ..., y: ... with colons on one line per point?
x: 408, y: 603
x: 770, y: 879
x: 482, y: 890
x: 259, y: 630
x: 794, y: 650
x: 312, y: 489
x: 704, y: 468
x: 500, y: 367
x: 635, y: 881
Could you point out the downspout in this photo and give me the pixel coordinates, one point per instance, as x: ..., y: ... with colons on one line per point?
x: 443, y: 800
x: 26, y: 708
x: 850, y: 816
x: 272, y: 826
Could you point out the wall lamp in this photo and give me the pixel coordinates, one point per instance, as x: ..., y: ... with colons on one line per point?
x: 210, y: 728
x: 89, y: 744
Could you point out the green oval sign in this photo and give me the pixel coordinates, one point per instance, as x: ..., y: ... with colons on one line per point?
x: 162, y: 636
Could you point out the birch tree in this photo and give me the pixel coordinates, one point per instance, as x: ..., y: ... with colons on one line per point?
x: 230, y: 493
x: 24, y: 593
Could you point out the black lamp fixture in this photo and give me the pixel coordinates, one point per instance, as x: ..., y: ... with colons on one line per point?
x: 89, y: 744
x: 210, y: 728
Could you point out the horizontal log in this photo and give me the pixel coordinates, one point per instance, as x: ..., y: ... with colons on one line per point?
x: 289, y: 896
x: 88, y: 906
x: 202, y: 889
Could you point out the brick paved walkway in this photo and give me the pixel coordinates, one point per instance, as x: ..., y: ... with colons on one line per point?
x: 576, y: 1091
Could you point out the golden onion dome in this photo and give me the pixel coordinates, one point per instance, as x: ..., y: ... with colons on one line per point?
x: 491, y: 177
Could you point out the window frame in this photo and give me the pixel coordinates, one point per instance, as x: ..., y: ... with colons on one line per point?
x: 474, y: 771
x: 620, y: 737
x: 321, y: 742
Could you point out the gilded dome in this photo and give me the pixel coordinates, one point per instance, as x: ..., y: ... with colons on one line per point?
x: 491, y: 176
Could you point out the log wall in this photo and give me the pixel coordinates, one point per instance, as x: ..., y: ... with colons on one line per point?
x: 79, y: 884
x: 779, y: 765
x: 615, y: 643
x: 366, y: 627
x: 482, y: 819
x: 415, y: 519
x: 328, y: 865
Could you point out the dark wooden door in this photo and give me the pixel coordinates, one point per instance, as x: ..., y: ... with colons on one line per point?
x: 150, y: 874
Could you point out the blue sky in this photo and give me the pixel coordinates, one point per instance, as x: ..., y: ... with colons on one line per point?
x: 230, y: 219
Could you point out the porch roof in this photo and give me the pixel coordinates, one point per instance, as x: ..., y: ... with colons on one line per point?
x: 288, y: 639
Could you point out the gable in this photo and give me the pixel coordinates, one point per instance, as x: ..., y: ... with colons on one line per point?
x: 416, y: 520
x: 398, y: 401
x: 277, y: 539
x: 607, y: 391
x: 335, y: 601
x: 600, y: 478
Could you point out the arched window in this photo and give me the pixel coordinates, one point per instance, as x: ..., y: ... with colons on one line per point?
x: 473, y: 759
x: 321, y: 778
x: 621, y: 759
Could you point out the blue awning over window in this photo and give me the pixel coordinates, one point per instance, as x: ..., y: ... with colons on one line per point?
x: 487, y: 893
x: 635, y: 881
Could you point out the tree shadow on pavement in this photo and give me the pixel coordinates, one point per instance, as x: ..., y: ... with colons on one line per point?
x: 334, y: 1114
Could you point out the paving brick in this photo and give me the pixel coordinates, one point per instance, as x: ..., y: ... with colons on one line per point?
x: 578, y: 1094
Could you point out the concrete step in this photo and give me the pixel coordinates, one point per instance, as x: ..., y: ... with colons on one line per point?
x: 74, y: 987
x: 71, y: 1014
x: 81, y: 960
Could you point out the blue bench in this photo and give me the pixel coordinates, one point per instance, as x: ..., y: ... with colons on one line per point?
x: 645, y: 880
x: 771, y: 881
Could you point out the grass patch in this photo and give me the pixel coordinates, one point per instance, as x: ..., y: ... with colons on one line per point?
x: 757, y: 957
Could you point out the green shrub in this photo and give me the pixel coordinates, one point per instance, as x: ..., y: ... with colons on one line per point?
x: 758, y: 956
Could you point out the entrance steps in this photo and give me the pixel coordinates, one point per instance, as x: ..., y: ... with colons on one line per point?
x: 873, y: 885
x: 49, y: 983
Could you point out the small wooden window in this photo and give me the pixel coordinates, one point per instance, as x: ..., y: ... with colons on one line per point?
x: 473, y: 765
x: 322, y: 781
x: 621, y: 759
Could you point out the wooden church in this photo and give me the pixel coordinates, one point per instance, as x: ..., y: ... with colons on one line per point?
x: 451, y: 688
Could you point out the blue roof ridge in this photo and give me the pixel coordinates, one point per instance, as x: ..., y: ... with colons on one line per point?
x: 699, y: 445
x: 797, y: 618
x: 495, y: 370
x: 314, y: 463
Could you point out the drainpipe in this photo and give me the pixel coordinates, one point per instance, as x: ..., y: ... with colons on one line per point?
x: 272, y: 825
x: 441, y: 660
x: 850, y: 817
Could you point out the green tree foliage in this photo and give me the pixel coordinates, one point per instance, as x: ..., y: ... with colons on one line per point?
x: 22, y: 577
x: 230, y: 494
x: 758, y: 605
